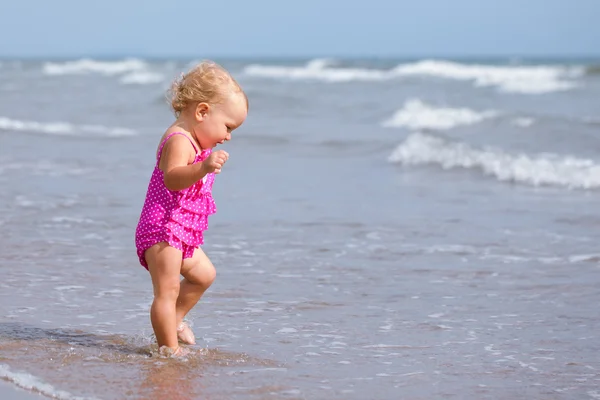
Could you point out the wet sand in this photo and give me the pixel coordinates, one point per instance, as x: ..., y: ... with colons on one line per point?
x: 11, y: 392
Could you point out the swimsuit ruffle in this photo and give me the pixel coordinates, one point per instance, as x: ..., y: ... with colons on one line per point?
x: 190, y: 219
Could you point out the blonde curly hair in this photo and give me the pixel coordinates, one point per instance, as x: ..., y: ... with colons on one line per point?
x: 207, y: 82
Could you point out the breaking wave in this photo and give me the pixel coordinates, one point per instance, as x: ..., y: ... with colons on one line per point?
x: 527, y: 79
x: 536, y: 169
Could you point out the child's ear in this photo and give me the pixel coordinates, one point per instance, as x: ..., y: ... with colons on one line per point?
x: 201, y: 111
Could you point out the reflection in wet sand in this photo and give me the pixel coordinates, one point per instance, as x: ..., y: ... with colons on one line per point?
x: 171, y: 379
x: 116, y: 366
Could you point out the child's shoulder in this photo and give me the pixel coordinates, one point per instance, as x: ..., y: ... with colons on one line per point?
x: 175, y: 137
x: 174, y: 134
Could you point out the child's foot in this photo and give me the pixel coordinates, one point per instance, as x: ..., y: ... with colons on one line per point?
x: 181, y: 352
x: 176, y: 353
x: 185, y: 334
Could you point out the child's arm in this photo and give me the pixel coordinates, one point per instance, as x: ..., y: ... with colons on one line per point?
x: 178, y: 173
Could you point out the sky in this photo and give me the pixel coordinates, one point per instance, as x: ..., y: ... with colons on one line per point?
x: 291, y: 28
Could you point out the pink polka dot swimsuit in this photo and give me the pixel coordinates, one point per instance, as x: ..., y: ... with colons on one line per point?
x: 176, y: 217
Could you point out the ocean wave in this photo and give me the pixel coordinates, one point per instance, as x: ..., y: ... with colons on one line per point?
x: 86, y: 66
x: 525, y: 79
x: 142, y: 78
x: 133, y: 71
x: 536, y: 170
x: 518, y: 79
x: 63, y: 128
x: 44, y: 168
x: 523, y: 122
x: 318, y: 69
x: 416, y: 114
x: 34, y: 384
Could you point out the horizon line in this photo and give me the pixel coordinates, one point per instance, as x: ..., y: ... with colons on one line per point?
x: 241, y: 57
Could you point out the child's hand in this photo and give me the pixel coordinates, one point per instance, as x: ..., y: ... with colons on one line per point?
x: 215, y: 161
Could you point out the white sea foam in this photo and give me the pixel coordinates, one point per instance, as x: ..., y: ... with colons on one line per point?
x: 133, y: 71
x: 33, y: 383
x: 507, y: 78
x: 86, y: 66
x: 62, y: 128
x: 142, y: 78
x: 73, y: 220
x: 418, y: 115
x: 523, y: 122
x: 538, y: 169
x: 40, y: 204
x: 43, y: 167
x: 318, y: 69
x: 577, y: 258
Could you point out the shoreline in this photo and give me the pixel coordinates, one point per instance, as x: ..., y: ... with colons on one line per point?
x: 10, y: 391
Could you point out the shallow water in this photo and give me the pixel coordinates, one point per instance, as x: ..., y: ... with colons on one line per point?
x: 466, y: 268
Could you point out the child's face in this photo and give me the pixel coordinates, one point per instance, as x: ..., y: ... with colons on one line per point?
x: 215, y: 123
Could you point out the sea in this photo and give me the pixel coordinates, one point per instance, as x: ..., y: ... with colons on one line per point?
x: 422, y: 228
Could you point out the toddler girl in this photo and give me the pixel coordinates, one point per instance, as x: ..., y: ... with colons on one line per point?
x: 208, y: 104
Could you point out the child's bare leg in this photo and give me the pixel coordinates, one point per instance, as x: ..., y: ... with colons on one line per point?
x: 164, y: 264
x: 199, y: 274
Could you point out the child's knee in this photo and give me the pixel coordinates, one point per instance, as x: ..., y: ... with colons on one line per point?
x: 202, y: 275
x: 212, y: 275
x: 207, y: 276
x: 167, y: 289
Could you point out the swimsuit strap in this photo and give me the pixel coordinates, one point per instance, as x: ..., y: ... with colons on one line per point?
x: 167, y: 138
